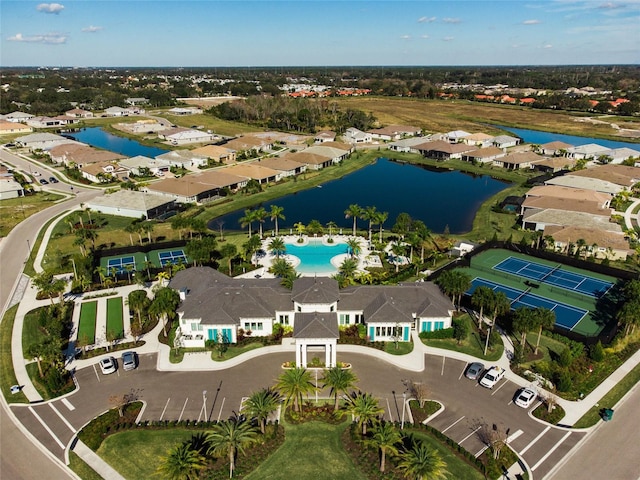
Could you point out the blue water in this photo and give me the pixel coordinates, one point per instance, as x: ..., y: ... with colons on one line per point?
x: 538, y: 137
x: 439, y: 198
x: 316, y: 256
x: 97, y: 137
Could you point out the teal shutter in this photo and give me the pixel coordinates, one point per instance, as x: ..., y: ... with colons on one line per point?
x: 428, y: 324
x: 227, y: 333
x: 215, y: 335
x: 372, y: 333
x: 210, y: 332
x: 439, y: 325
x: 406, y: 334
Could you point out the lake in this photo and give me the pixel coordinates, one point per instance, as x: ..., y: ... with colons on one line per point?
x: 539, y: 138
x: 437, y: 197
x: 97, y: 137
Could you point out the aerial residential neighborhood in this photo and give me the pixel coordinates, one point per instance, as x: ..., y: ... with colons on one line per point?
x: 230, y: 253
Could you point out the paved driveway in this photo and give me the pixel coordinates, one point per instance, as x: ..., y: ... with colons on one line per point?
x: 179, y: 396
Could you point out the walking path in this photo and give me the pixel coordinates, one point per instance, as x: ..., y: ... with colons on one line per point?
x: 628, y: 214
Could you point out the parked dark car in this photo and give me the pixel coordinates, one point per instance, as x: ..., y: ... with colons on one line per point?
x: 43, y: 182
x: 53, y: 179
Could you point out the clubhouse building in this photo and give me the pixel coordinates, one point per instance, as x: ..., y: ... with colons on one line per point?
x: 216, y: 307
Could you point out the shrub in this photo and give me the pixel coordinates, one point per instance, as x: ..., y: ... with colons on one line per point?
x: 439, y: 334
x: 566, y: 358
x: 596, y: 352
x: 563, y: 380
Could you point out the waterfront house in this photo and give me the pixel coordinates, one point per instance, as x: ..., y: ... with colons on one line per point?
x: 217, y: 153
x: 7, y: 127
x: 441, y: 150
x: 505, y: 141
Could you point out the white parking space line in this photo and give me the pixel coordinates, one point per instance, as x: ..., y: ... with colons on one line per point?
x: 513, y: 436
x: 462, y: 372
x: 443, y: 359
x: 96, y: 372
x: 496, y: 390
x: 467, y: 437
x: 453, y: 424
x: 510, y: 402
x: 165, y: 408
x: 533, y: 442
x: 553, y: 449
x: 222, y: 405
x: 481, y: 451
x: 183, y: 407
x: 46, y: 427
x: 68, y: 404
x: 389, y: 410
x: 66, y: 422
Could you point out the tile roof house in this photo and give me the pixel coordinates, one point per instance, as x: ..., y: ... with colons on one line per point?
x: 7, y: 127
x: 217, y: 153
x: 557, y: 191
x: 79, y: 113
x: 599, y: 243
x: 539, y: 220
x: 255, y: 171
x: 518, y: 161
x: 202, y: 187
x: 42, y: 141
x: 214, y: 305
x: 19, y: 117
x: 334, y: 154
x: 408, y: 144
x: 324, y: 136
x: 554, y: 164
x: 441, y: 150
x: 286, y: 166
x: 102, y: 171
x: 585, y: 183
x: 355, y: 136
x: 457, y: 136
x: 136, y: 165
x: 311, y: 161
x: 559, y: 203
x: 505, y: 141
x: 248, y: 142
x: 555, y: 148
x: 394, y: 132
x: 184, y: 158
x: 622, y: 175
x: 484, y: 155
x: 619, y: 155
x: 9, y: 188
x: 186, y: 136
x: 591, y: 151
x: 480, y: 140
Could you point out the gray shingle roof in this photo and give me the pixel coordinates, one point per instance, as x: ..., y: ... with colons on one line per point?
x: 315, y: 290
x: 316, y: 325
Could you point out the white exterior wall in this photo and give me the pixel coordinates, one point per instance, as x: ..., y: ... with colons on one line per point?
x: 267, y: 326
x: 316, y: 307
x: 122, y: 212
x: 429, y: 324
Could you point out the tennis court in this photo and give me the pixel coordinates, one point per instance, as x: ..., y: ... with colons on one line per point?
x: 120, y: 264
x: 566, y: 315
x: 172, y: 257
x: 556, y: 276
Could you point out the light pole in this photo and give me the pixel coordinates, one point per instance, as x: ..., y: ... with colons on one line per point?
x: 204, y: 404
x: 404, y: 402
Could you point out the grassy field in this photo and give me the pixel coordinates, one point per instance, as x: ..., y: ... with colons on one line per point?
x: 137, y: 454
x: 87, y: 327
x: 7, y: 374
x: 15, y: 210
x: 84, y: 471
x: 446, y: 115
x: 115, y: 322
x: 311, y: 450
x: 31, y: 332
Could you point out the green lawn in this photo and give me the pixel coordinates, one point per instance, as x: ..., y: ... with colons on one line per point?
x: 115, y: 322
x: 84, y: 471
x: 403, y: 348
x: 15, y: 210
x: 32, y: 334
x: 137, y: 454
x: 87, y: 327
x: 311, y: 450
x: 234, y: 350
x: 7, y: 374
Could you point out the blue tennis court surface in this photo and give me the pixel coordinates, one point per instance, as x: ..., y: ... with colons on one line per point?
x: 120, y: 264
x: 566, y: 315
x: 172, y: 257
x: 555, y: 276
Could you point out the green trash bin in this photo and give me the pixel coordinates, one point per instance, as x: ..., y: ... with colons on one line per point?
x: 607, y: 414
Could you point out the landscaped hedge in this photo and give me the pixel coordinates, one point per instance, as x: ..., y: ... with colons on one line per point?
x: 439, y: 334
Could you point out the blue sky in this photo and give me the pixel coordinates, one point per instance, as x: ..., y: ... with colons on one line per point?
x: 272, y: 33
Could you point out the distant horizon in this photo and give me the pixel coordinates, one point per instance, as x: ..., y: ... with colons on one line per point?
x: 271, y: 33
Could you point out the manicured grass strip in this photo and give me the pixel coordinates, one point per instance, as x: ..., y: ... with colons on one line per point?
x: 403, y: 348
x: 32, y: 334
x: 7, y: 374
x: 115, y: 322
x: 137, y: 454
x: 311, y: 450
x: 87, y: 327
x: 84, y: 471
x: 610, y: 399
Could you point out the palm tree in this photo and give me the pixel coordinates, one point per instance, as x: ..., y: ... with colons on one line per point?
x: 251, y: 246
x: 293, y: 384
x: 420, y: 463
x: 261, y: 404
x: 398, y: 250
x: 300, y: 228
x: 281, y: 268
x: 164, y: 305
x: 385, y: 437
x: 353, y: 245
x: 131, y: 229
x: 482, y: 298
x: 182, y: 463
x: 544, y: 319
x: 230, y: 437
x: 348, y: 268
x: 147, y: 227
x: 370, y: 214
x: 248, y: 219
x: 229, y: 251
x: 275, y: 214
x: 331, y: 225
x: 261, y: 215
x: 277, y: 246
x: 102, y: 273
x: 363, y: 408
x: 339, y: 380
x: 523, y: 322
x: 382, y: 217
x: 354, y: 211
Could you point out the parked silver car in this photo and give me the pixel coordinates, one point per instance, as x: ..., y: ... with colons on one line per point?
x: 129, y: 361
x: 474, y: 371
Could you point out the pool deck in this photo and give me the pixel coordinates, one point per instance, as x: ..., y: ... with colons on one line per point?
x: 365, y: 259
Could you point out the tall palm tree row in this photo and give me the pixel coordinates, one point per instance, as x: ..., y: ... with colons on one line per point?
x: 231, y: 437
x: 354, y: 211
x: 276, y: 214
x: 339, y: 380
x: 293, y: 384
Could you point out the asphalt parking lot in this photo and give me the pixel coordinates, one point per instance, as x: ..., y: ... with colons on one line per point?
x: 179, y: 396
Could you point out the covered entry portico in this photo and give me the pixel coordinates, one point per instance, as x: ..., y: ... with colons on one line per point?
x: 316, y: 329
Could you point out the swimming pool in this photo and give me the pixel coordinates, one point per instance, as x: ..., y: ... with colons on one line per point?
x: 315, y: 256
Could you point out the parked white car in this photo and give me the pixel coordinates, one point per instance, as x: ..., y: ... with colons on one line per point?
x: 526, y: 397
x: 108, y: 365
x: 492, y: 376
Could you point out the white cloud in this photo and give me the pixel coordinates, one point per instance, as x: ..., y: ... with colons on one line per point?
x: 48, y: 38
x: 547, y: 45
x: 611, y: 5
x: 447, y: 39
x: 54, y: 8
x: 92, y: 29
x: 424, y: 36
x: 451, y: 20
x: 405, y: 37
x: 426, y: 19
x: 531, y: 22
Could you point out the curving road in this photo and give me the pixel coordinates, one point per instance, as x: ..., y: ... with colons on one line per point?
x: 15, y: 446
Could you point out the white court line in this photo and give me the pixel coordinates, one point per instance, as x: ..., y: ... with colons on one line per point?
x: 220, y: 412
x: 452, y: 424
x: 66, y: 422
x: 553, y: 449
x: 465, y: 438
x: 165, y: 408
x: 46, y: 427
x: 533, y: 442
x: 67, y: 404
x: 496, y: 390
x: 183, y: 407
x: 443, y: 359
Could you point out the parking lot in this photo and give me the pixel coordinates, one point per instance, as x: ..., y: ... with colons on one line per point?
x: 179, y: 396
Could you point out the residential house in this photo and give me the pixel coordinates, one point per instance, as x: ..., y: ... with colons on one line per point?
x: 622, y: 175
x: 100, y: 172
x: 518, y: 161
x: 185, y: 111
x: 215, y: 307
x: 133, y: 101
x: 184, y: 158
x: 289, y: 139
x: 441, y: 150
x: 284, y: 165
x: 183, y: 136
x: 590, y: 151
x: 539, y: 220
x: 45, y: 122
x: 311, y: 161
x: 355, y: 136
x: 255, y: 171
x: 41, y: 141
x: 79, y: 113
x: 141, y: 165
x: 324, y: 136
x: 484, y: 155
x: 198, y: 188
x: 505, y: 141
x: 555, y: 148
x: 217, y: 153
x: 537, y: 204
x: 132, y: 204
x: 143, y: 126
x: 457, y: 136
x: 7, y: 127
x: 394, y: 132
x: 480, y: 140
x: 569, y: 193
x: 80, y: 155
x: 17, y: 117
x: 554, y: 164
x: 408, y: 144
x: 599, y: 243
x: 619, y: 155
x: 334, y: 151
x: 585, y: 183
x: 248, y: 143
x: 9, y: 188
x: 122, y: 112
